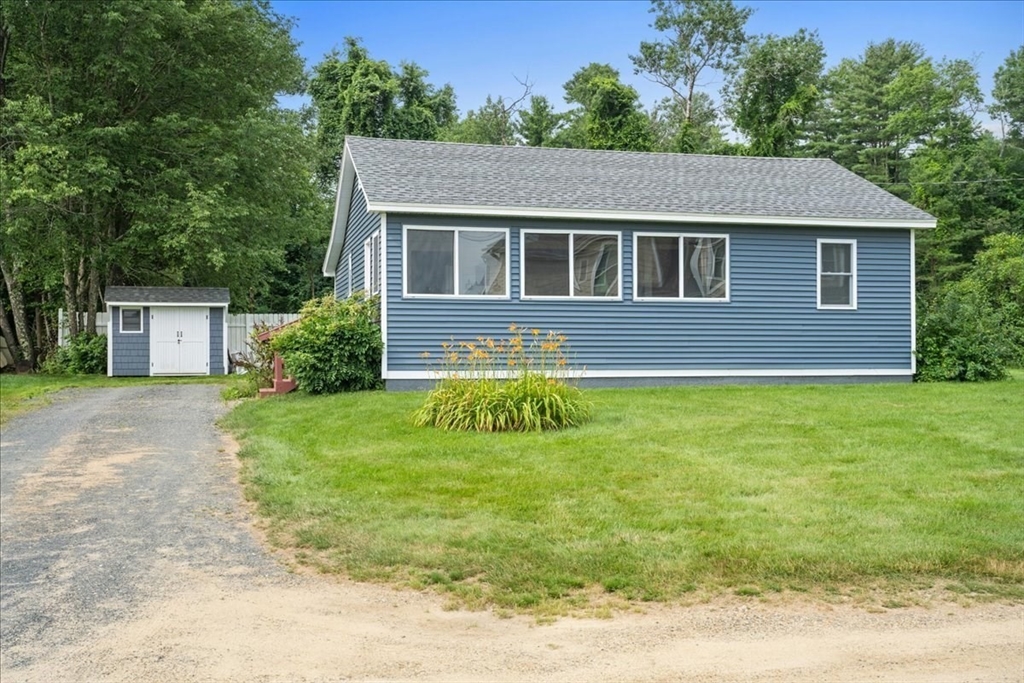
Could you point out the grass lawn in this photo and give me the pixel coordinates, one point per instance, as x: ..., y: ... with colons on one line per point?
x: 19, y: 393
x: 669, y: 493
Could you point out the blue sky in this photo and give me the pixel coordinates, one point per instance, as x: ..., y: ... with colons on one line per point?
x: 479, y: 47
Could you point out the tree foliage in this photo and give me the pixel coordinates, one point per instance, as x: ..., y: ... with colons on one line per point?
x: 539, y: 125
x: 609, y: 116
x: 1008, y: 94
x: 354, y: 94
x: 142, y: 144
x: 774, y: 90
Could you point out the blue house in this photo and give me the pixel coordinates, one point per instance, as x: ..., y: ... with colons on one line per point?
x: 659, y: 268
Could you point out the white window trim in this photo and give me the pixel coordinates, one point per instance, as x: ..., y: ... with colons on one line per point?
x: 679, y: 245
x: 572, y: 265
x: 371, y: 264
x: 142, y: 320
x: 455, y: 263
x: 852, y: 306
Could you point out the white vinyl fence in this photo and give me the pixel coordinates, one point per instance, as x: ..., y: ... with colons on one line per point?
x: 239, y: 326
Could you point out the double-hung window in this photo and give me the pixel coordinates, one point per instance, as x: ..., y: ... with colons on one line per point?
x: 571, y: 264
x: 837, y: 273
x: 466, y: 262
x: 681, y: 267
x: 131, y: 320
x: 371, y: 263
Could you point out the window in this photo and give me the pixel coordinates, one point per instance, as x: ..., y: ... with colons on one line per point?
x: 456, y: 262
x: 131, y: 320
x: 371, y: 263
x: 837, y: 273
x: 571, y: 264
x: 683, y: 267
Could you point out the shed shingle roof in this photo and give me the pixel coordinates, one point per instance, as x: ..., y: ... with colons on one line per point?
x: 407, y: 172
x: 168, y: 295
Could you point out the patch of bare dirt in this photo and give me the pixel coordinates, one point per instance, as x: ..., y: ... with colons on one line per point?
x: 316, y: 630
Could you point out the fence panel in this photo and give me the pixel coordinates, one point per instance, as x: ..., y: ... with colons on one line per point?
x: 239, y: 326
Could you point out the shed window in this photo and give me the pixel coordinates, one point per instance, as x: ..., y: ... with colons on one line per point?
x: 837, y: 274
x: 469, y: 262
x: 571, y: 264
x: 685, y: 267
x: 131, y: 320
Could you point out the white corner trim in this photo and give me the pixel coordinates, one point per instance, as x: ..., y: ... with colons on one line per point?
x: 653, y: 374
x: 383, y: 294
x: 644, y: 216
x: 913, y: 303
x: 110, y: 342
x: 224, y: 317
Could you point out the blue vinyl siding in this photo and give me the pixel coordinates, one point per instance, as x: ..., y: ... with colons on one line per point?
x: 360, y: 225
x: 217, y: 341
x: 771, y: 321
x: 130, y: 352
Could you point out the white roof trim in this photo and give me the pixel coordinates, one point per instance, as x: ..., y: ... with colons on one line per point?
x: 342, y: 202
x: 208, y: 304
x: 644, y: 216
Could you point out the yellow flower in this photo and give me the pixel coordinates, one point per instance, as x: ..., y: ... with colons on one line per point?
x: 490, y: 343
x: 561, y: 361
x: 425, y: 354
x: 535, y: 331
x: 512, y: 327
x: 511, y: 362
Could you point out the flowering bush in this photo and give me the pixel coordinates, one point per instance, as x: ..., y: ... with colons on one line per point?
x: 505, y: 385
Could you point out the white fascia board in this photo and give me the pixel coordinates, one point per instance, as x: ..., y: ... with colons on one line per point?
x: 646, y: 216
x: 790, y: 372
x: 158, y: 304
x: 342, y: 202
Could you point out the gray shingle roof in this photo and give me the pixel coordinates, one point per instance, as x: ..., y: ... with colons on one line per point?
x: 168, y: 295
x: 396, y: 172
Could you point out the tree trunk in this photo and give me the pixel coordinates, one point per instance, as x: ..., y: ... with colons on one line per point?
x: 94, y: 296
x: 8, y: 332
x: 11, y: 272
x: 70, y: 305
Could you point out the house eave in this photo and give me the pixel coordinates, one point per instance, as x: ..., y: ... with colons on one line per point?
x: 342, y: 203
x: 645, y: 216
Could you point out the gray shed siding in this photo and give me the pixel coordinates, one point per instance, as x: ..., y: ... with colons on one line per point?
x: 217, y: 341
x: 129, y: 352
x: 361, y: 225
x: 770, y: 323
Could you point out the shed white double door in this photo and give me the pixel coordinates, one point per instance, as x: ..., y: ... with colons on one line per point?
x: 179, y: 340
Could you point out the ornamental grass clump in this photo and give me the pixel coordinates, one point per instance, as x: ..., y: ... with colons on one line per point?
x: 505, y: 385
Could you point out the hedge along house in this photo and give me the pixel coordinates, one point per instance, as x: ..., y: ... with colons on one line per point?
x: 167, y: 331
x: 659, y: 268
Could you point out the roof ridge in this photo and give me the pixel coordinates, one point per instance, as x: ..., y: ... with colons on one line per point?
x: 587, y: 151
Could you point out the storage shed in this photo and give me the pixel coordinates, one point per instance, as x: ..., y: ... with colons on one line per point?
x: 167, y: 331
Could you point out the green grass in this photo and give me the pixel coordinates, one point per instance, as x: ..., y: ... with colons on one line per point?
x: 19, y: 393
x: 668, y: 492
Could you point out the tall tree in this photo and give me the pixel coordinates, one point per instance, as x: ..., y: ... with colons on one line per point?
x: 609, y: 115
x: 700, y: 35
x: 492, y: 124
x: 538, y: 126
x: 165, y: 159
x: 672, y: 132
x: 356, y: 95
x: 1008, y: 95
x: 774, y: 89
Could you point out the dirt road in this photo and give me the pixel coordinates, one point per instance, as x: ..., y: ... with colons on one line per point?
x: 126, y: 555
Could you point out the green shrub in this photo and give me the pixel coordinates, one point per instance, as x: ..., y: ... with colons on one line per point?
x: 961, y: 337
x: 336, y: 345
x: 504, y: 386
x: 83, y: 354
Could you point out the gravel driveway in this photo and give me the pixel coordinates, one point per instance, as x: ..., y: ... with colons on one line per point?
x: 126, y: 554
